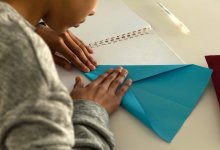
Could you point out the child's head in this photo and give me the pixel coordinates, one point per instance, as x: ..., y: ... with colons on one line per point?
x: 63, y: 14
x: 58, y: 14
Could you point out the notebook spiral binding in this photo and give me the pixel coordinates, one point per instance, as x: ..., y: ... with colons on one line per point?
x: 122, y: 37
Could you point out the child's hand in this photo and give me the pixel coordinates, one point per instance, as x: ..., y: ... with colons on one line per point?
x: 104, y: 90
x: 69, y: 46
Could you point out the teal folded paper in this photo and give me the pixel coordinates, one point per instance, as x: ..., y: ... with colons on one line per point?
x: 162, y: 96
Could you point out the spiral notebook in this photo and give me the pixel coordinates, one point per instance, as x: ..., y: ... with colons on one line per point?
x: 119, y: 36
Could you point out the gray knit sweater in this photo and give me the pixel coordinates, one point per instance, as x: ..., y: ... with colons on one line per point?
x: 36, y: 111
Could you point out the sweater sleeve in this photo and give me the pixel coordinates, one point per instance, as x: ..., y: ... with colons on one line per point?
x: 35, y: 109
x: 91, y: 125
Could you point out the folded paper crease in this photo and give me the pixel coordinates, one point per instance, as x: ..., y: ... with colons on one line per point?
x: 162, y: 96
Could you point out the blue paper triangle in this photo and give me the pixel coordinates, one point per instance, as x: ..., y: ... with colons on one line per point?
x: 162, y: 96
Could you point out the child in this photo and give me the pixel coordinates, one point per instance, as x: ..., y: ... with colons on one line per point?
x: 36, y: 111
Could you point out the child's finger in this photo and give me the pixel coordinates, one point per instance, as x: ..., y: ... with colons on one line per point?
x: 118, y: 81
x: 124, y: 88
x: 79, y: 42
x: 62, y: 62
x: 101, y: 78
x: 78, y: 51
x: 72, y: 57
x: 78, y: 83
x: 94, y: 62
x: 108, y: 80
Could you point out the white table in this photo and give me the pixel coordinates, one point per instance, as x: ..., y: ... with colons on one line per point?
x: 201, y: 131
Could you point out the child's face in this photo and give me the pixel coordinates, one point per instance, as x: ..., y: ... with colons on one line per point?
x: 69, y: 13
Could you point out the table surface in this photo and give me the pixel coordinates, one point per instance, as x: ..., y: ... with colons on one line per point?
x: 201, y: 131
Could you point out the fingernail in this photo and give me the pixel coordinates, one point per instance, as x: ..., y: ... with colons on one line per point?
x: 95, y: 63
x: 86, y: 69
x: 130, y: 81
x: 119, y: 68
x: 92, y: 67
x: 125, y: 71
